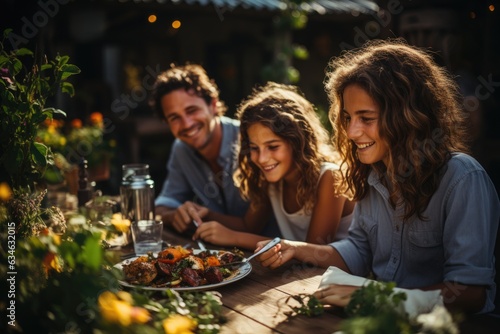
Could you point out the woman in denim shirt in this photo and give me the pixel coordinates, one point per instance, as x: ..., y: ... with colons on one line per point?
x: 427, y: 213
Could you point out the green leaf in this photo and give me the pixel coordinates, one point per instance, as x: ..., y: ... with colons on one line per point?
x: 45, y: 90
x: 17, y: 66
x: 39, y: 118
x: 39, y: 154
x: 6, y: 33
x: 293, y: 74
x: 45, y: 67
x: 67, y: 251
x: 298, y: 19
x: 300, y: 52
x: 69, y: 70
x: 61, y: 60
x: 7, y: 94
x: 68, y: 88
x: 23, y: 52
x: 54, y: 111
x: 93, y: 253
x: 3, y: 60
x: 53, y: 175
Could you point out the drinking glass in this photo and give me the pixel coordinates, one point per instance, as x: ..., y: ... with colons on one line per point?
x: 146, y: 235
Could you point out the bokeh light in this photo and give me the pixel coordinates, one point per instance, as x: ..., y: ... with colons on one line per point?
x: 176, y: 24
x: 152, y: 18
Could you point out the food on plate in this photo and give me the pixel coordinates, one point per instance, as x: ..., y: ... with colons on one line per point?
x: 141, y: 271
x: 173, y: 254
x: 176, y: 266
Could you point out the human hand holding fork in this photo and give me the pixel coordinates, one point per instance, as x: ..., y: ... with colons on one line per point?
x: 201, y: 245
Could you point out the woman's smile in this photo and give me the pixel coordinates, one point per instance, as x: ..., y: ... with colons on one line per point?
x: 271, y: 153
x: 361, y: 114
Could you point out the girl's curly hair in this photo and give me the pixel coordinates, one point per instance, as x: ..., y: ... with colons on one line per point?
x: 284, y: 110
x: 420, y: 119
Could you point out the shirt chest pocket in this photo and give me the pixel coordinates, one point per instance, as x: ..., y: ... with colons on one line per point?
x: 425, y: 238
x: 425, y: 246
x: 370, y: 228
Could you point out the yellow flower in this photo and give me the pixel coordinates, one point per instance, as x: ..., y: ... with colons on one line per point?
x: 57, y: 239
x: 125, y: 296
x: 140, y: 315
x: 5, y: 192
x: 114, y: 310
x: 179, y: 324
x: 51, y: 261
x: 122, y: 225
x: 118, y: 309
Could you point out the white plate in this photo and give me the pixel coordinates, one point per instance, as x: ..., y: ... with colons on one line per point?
x: 243, y: 271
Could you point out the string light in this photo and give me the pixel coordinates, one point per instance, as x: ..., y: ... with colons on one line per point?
x: 152, y: 18
x: 491, y: 8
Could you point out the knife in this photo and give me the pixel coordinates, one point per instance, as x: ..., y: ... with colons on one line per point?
x: 201, y: 245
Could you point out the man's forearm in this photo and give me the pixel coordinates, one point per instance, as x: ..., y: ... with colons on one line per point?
x: 167, y: 214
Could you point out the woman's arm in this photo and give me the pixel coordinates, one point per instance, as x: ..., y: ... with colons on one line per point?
x: 456, y: 296
x: 327, y: 212
x: 217, y: 234
x: 253, y: 222
x: 318, y: 255
x: 234, y: 231
x: 461, y: 297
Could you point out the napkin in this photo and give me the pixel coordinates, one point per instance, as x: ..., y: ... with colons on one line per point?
x: 417, y: 301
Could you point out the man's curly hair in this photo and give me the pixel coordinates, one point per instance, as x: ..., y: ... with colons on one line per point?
x: 192, y: 78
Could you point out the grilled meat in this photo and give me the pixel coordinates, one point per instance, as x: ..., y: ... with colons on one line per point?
x: 190, y: 277
x: 140, y: 272
x: 213, y: 275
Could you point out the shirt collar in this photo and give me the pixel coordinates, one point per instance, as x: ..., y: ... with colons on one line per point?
x: 227, y: 145
x: 374, y: 181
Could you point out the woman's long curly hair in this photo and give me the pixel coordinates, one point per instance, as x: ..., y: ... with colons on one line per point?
x: 284, y: 110
x: 420, y: 119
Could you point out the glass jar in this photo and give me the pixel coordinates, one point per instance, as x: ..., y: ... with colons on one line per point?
x: 137, y: 193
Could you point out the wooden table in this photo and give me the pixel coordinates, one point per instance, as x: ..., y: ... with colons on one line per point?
x: 257, y: 302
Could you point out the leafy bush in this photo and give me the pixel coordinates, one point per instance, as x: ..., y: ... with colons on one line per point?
x: 25, y: 86
x: 66, y: 284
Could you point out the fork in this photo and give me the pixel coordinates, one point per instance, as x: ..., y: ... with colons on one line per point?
x: 267, y: 247
x: 200, y: 243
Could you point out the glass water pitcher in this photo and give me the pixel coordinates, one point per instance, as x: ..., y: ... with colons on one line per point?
x: 137, y: 193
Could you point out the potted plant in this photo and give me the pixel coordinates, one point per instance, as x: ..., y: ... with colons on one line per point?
x: 79, y: 138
